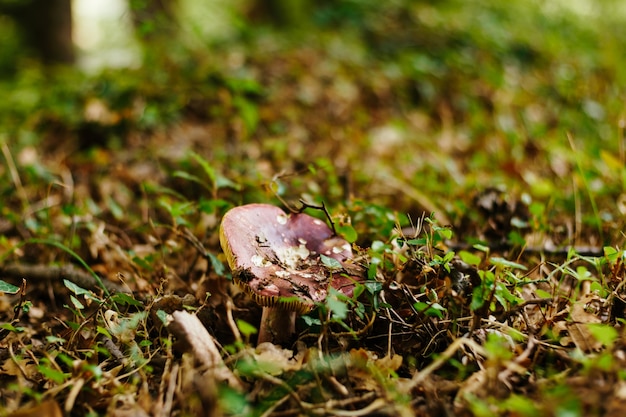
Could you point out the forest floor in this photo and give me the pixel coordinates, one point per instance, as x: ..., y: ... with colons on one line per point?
x: 472, y: 156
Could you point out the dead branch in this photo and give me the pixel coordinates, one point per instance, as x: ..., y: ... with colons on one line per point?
x: 40, y: 272
x: 188, y: 328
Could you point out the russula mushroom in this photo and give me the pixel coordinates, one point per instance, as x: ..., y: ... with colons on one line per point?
x: 276, y: 258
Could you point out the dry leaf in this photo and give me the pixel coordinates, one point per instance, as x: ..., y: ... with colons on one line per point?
x: 389, y: 364
x: 581, y: 316
x: 274, y: 360
x: 48, y: 408
x: 124, y: 405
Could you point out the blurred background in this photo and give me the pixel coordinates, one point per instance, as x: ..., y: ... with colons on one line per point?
x: 411, y: 103
x: 107, y: 33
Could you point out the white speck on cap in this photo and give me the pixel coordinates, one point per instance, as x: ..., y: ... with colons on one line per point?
x: 291, y: 256
x: 259, y: 261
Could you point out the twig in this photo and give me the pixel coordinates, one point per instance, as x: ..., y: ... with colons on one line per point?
x: 515, y: 365
x: 365, y: 411
x: 306, y: 205
x: 56, y: 273
x: 231, y: 320
x: 421, y: 376
x: 553, y: 251
x: 171, y: 387
x: 116, y: 353
x: 70, y: 401
x: 158, y: 407
x: 533, y: 301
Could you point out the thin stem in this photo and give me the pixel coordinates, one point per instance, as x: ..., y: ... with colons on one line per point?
x: 306, y: 205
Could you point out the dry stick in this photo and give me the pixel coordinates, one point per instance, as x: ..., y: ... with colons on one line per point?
x: 515, y: 365
x: 158, y: 408
x: 365, y: 411
x: 116, y: 353
x: 171, y: 388
x: 290, y: 391
x: 231, y: 321
x: 187, y: 327
x: 421, y: 376
x: 56, y: 273
x: 557, y: 251
x: 516, y: 309
x: 73, y: 395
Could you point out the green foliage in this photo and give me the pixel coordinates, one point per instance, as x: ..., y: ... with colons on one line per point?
x: 246, y: 329
x: 5, y: 287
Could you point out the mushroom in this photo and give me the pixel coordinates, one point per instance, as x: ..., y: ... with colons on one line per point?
x: 277, y: 259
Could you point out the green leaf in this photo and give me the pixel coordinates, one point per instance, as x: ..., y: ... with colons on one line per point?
x: 430, y: 309
x: 246, y: 328
x: 217, y: 265
x: 603, y: 333
x: 478, y: 298
x: 92, y: 369
x: 378, y: 246
x: 208, y: 169
x: 125, y: 299
x: 516, y: 238
x: 145, y: 343
x: 103, y: 331
x: 223, y: 182
x: 348, y: 232
x: 612, y: 254
x: 583, y: 273
x: 338, y: 307
x: 330, y: 263
x: 417, y: 242
x: 53, y: 374
x: 77, y: 304
x: 444, y: 232
x: 311, y: 321
x: 231, y: 401
x: 497, y: 261
x: 519, y: 405
x: 11, y: 328
x: 373, y: 287
x: 536, y: 209
x: 248, y: 112
x: 79, y: 290
x: 505, y: 297
x: 542, y: 293
x: 55, y: 339
x: 192, y: 178
x: 7, y: 288
x: 470, y: 258
x: 116, y: 210
x: 162, y: 315
x: 482, y: 248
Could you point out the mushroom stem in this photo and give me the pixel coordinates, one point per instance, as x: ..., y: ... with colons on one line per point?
x: 277, y: 325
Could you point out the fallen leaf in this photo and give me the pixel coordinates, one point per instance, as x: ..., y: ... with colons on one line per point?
x: 48, y: 408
